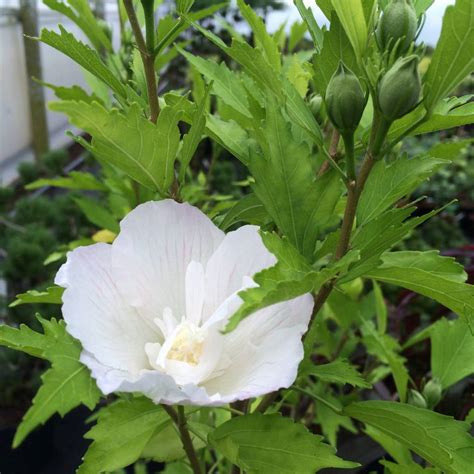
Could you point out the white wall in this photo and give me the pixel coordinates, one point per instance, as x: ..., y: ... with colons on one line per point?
x: 15, y: 130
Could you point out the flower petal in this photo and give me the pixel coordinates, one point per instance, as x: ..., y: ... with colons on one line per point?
x: 263, y: 353
x: 157, y: 242
x: 96, y: 313
x: 241, y: 254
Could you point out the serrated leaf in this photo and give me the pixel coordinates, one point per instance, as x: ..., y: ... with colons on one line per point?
x: 270, y: 443
x: 394, y: 448
x: 339, y: 371
x: 386, y: 349
x: 441, y: 440
x: 83, y: 55
x: 249, y: 210
x: 380, y: 235
x: 85, y: 19
x: 411, y: 468
x: 226, y: 84
x: 262, y: 39
x: 51, y: 295
x: 292, y: 276
x: 448, y: 113
x: 74, y: 180
x: 452, y: 59
x: 144, y: 151
x: 313, y: 27
x: 387, y: 184
x: 429, y: 274
x: 336, y: 48
x: 192, y: 139
x: 97, y: 214
x: 122, y: 432
x: 452, y: 351
x: 23, y: 339
x: 299, y: 204
x: 352, y: 16
x: 66, y: 384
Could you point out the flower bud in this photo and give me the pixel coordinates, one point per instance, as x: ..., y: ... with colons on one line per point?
x: 315, y: 104
x: 400, y: 88
x: 416, y: 399
x: 345, y: 100
x: 398, y: 23
x: 432, y: 393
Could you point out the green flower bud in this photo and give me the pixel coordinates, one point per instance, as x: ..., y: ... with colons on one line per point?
x: 315, y: 104
x: 432, y: 393
x: 398, y: 22
x: 416, y: 399
x: 400, y: 88
x: 345, y: 100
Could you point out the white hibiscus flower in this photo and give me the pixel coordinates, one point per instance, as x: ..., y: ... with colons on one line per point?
x: 149, y: 310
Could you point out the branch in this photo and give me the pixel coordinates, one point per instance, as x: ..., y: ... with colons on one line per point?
x: 179, y: 418
x: 148, y: 58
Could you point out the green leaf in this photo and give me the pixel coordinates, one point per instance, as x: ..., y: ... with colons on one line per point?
x: 83, y: 55
x: 122, y: 432
x: 226, y: 84
x: 381, y: 234
x: 66, y: 385
x: 452, y: 60
x: 380, y: 308
x: 386, y: 348
x: 249, y: 210
x: 192, y: 139
x: 313, y: 27
x: 84, y: 19
x: 339, y: 371
x: 387, y: 184
x: 230, y: 136
x: 394, y: 448
x: 292, y: 276
x: 448, y: 113
x: 421, y: 6
x: 270, y: 443
x: 70, y: 93
x: 144, y: 151
x: 23, y: 339
x: 74, y: 180
x: 411, y: 468
x: 441, y: 440
x: 51, y: 295
x: 262, y: 39
x: 429, y: 274
x: 452, y: 351
x: 352, y: 16
x: 97, y: 214
x: 300, y: 205
x: 330, y: 421
x: 336, y: 48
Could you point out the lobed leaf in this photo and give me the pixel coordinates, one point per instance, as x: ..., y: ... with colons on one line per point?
x: 270, y: 443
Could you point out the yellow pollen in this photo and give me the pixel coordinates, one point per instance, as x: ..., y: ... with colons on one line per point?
x: 187, y: 346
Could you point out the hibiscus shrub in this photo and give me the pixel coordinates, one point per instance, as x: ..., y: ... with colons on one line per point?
x: 243, y: 332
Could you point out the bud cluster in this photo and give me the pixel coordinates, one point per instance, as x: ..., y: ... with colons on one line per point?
x: 400, y: 88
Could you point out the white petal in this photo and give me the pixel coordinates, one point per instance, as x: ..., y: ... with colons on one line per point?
x: 241, y: 254
x: 158, y: 386
x: 96, y: 313
x: 157, y: 242
x: 263, y: 353
x: 194, y: 292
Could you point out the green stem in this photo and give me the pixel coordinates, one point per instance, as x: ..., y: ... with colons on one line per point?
x: 162, y: 44
x: 350, y: 159
x: 319, y: 399
x: 179, y: 418
x: 147, y: 57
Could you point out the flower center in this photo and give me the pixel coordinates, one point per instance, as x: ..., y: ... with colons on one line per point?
x: 187, y: 345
